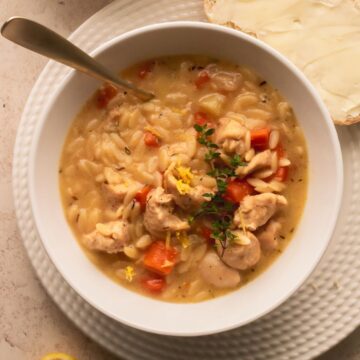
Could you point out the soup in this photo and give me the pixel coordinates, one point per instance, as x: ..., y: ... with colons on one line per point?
x: 193, y: 194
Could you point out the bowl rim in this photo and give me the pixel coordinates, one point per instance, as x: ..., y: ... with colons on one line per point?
x: 338, y: 171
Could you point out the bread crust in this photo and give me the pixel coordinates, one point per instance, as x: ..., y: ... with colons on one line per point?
x: 208, y: 6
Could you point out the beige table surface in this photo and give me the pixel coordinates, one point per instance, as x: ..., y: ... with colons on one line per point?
x: 30, y: 323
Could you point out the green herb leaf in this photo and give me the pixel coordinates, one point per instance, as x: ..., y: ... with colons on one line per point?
x: 198, y: 128
x: 220, y: 210
x: 209, y: 132
x: 236, y: 161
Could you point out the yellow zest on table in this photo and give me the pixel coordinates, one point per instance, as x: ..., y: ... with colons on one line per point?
x: 129, y: 273
x: 183, y: 238
x: 58, y: 356
x: 184, y: 179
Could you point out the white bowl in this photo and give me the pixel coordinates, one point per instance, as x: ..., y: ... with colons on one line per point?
x: 268, y: 290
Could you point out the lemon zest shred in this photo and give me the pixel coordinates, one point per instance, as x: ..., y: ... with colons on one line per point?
x: 183, y: 239
x: 129, y: 273
x: 58, y: 356
x: 153, y: 131
x: 182, y: 187
x: 185, y: 174
x: 242, y: 223
x: 184, y: 179
x: 242, y: 240
x: 178, y: 111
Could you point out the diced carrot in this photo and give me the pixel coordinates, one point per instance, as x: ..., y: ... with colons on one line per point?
x: 200, y: 118
x: 151, y: 139
x: 282, y: 173
x: 237, y: 189
x: 160, y: 259
x: 260, y: 139
x: 280, y: 151
x: 206, y: 233
x: 141, y: 196
x: 155, y: 284
x: 105, y: 94
x: 145, y: 69
x: 202, y: 78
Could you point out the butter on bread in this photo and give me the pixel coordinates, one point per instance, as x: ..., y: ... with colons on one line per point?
x: 322, y: 37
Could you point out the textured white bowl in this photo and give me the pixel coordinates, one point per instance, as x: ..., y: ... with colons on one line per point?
x: 268, y: 290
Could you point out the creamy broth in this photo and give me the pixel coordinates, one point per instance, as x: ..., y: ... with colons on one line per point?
x: 131, y: 174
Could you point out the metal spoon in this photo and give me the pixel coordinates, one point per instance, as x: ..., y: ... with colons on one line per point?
x: 44, y: 41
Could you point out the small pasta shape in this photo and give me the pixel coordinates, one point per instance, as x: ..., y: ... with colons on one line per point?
x: 249, y: 155
x: 284, y: 162
x: 284, y: 110
x: 274, y: 139
x: 143, y: 242
x: 131, y: 252
x: 244, y: 101
x: 92, y: 124
x: 259, y: 114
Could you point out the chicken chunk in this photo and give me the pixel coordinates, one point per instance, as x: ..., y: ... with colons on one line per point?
x: 110, y: 237
x: 185, y: 196
x: 216, y: 273
x: 231, y: 136
x: 261, y: 161
x: 226, y: 81
x: 256, y: 210
x: 159, y: 217
x: 268, y: 236
x: 242, y: 257
x: 212, y: 103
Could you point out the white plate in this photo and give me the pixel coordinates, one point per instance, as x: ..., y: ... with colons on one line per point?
x: 324, y: 311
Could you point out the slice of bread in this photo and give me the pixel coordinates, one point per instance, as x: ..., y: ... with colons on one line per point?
x: 322, y: 37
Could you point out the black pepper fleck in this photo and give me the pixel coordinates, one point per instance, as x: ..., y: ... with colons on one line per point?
x: 263, y: 83
x: 127, y: 150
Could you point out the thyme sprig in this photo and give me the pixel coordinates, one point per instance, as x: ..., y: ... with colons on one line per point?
x: 217, y: 206
x: 204, y: 139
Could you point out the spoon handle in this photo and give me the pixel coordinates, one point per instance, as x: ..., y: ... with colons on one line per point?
x: 44, y: 41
